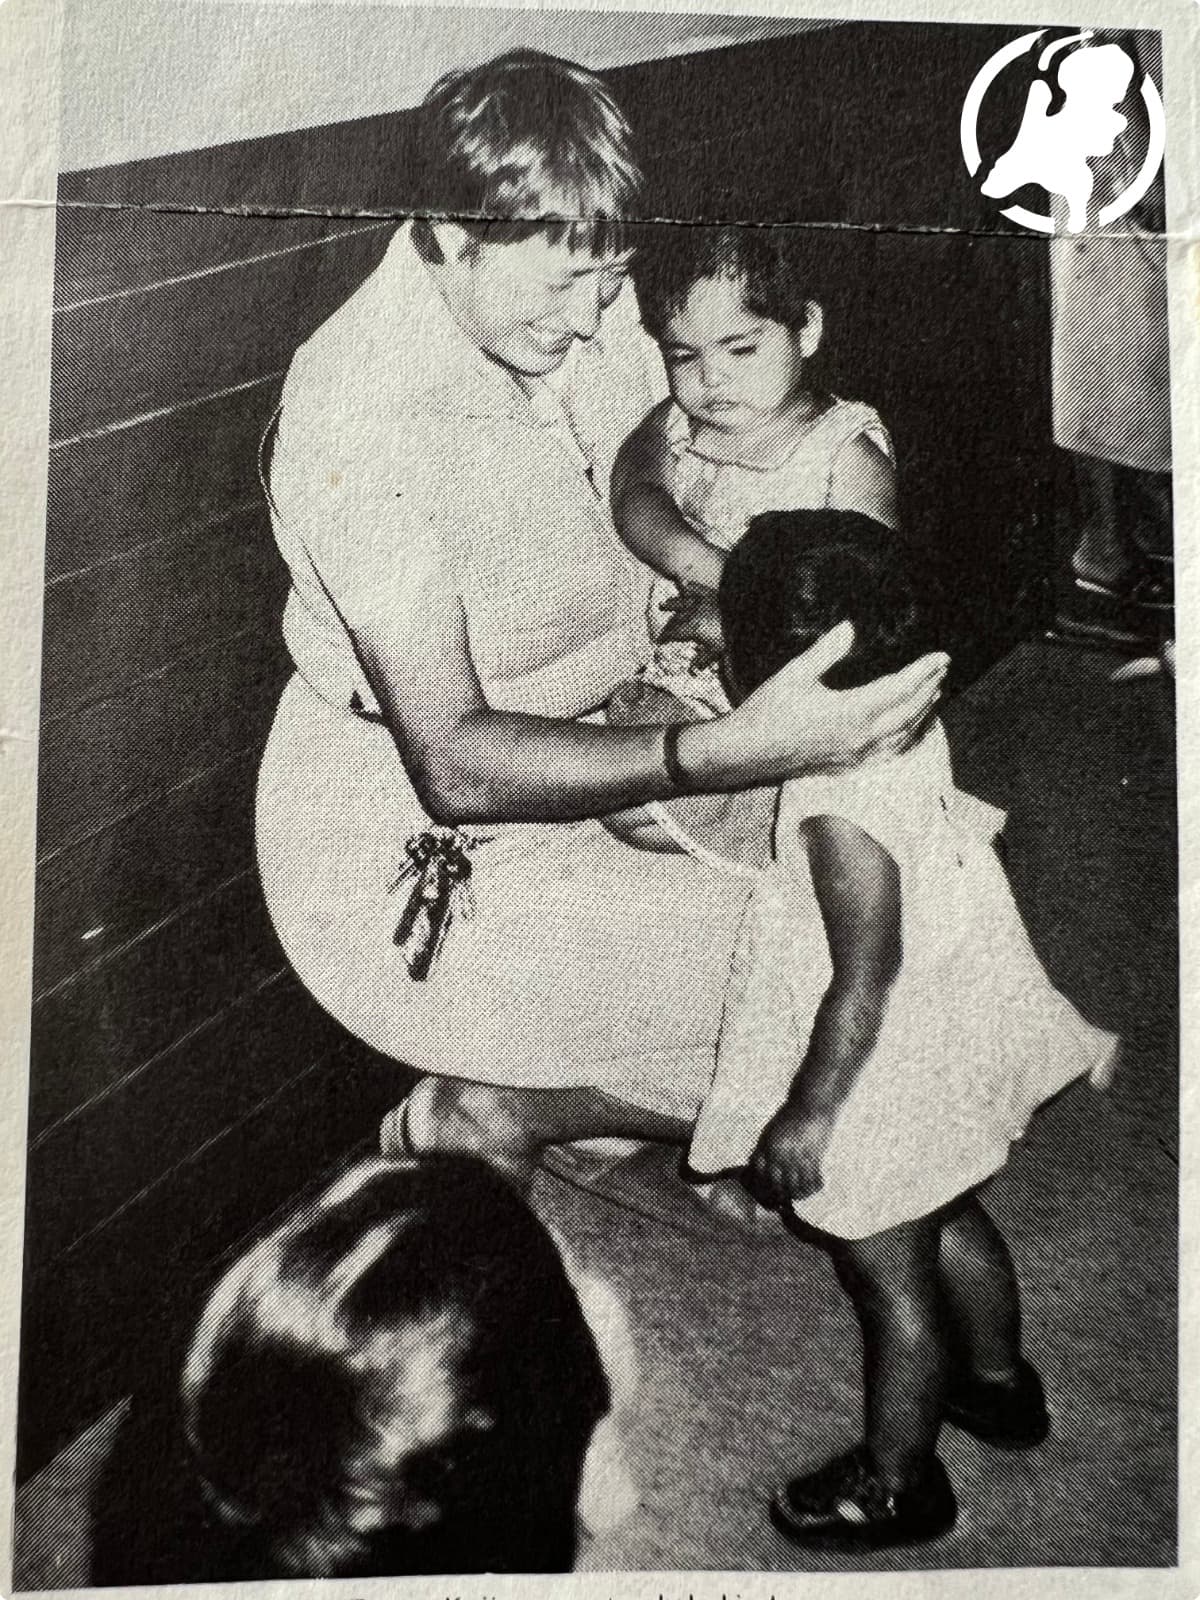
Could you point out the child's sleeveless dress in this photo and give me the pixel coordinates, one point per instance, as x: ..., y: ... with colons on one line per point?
x: 974, y: 1038
x: 718, y: 499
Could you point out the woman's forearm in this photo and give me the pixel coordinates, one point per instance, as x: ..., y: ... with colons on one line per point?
x: 502, y: 766
x: 471, y: 763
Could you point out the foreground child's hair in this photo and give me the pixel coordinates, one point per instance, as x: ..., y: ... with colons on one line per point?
x: 796, y: 574
x: 398, y: 1379
x: 527, y: 143
x: 771, y: 264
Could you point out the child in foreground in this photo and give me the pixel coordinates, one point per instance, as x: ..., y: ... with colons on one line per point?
x: 400, y: 1378
x: 746, y: 429
x: 888, y: 1033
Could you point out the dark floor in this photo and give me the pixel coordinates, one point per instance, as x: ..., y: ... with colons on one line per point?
x: 749, y: 1356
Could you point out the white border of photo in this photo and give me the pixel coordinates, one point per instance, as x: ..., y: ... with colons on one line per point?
x: 30, y: 37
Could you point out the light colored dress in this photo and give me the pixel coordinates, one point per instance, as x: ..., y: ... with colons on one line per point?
x: 718, y: 500
x: 1110, y: 378
x: 974, y: 1037
x: 409, y: 467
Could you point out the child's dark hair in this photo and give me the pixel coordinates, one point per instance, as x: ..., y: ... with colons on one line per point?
x: 398, y: 1379
x: 771, y: 264
x: 796, y: 574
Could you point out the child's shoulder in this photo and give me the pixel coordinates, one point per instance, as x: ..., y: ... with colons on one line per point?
x: 845, y: 421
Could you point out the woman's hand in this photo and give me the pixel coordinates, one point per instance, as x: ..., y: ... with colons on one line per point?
x: 470, y: 763
x: 786, y: 1166
x: 793, y: 724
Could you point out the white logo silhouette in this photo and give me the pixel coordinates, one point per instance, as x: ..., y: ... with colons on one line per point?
x: 1053, y: 149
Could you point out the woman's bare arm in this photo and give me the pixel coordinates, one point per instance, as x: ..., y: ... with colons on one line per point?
x: 471, y: 763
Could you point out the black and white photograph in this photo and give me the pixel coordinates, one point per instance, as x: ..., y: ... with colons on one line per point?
x: 605, y: 983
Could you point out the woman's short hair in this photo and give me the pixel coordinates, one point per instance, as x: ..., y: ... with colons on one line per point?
x: 397, y: 1379
x: 796, y: 574
x: 526, y: 143
x: 772, y: 265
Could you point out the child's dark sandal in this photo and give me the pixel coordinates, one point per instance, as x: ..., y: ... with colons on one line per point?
x: 844, y: 1506
x: 1009, y: 1416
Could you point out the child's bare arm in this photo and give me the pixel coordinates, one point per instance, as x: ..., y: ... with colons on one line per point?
x: 857, y: 885
x: 646, y: 516
x: 864, y: 479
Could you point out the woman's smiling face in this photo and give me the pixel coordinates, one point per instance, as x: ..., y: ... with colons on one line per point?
x: 525, y: 304
x: 728, y: 367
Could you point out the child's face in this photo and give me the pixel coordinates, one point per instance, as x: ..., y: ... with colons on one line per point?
x: 728, y: 367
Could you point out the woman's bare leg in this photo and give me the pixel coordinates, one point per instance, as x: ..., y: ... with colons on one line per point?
x: 1101, y: 555
x: 510, y: 1127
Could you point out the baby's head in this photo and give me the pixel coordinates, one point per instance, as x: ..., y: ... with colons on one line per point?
x: 796, y: 574
x: 397, y: 1379
x: 732, y: 310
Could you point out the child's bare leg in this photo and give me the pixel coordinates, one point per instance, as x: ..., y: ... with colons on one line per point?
x: 891, y: 1489
x: 893, y: 1280
x: 994, y: 1393
x: 980, y: 1285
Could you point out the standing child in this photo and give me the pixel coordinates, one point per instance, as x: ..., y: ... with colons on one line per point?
x: 889, y: 1031
x: 746, y: 429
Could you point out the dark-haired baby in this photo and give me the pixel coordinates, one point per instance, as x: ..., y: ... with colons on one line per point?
x: 746, y: 428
